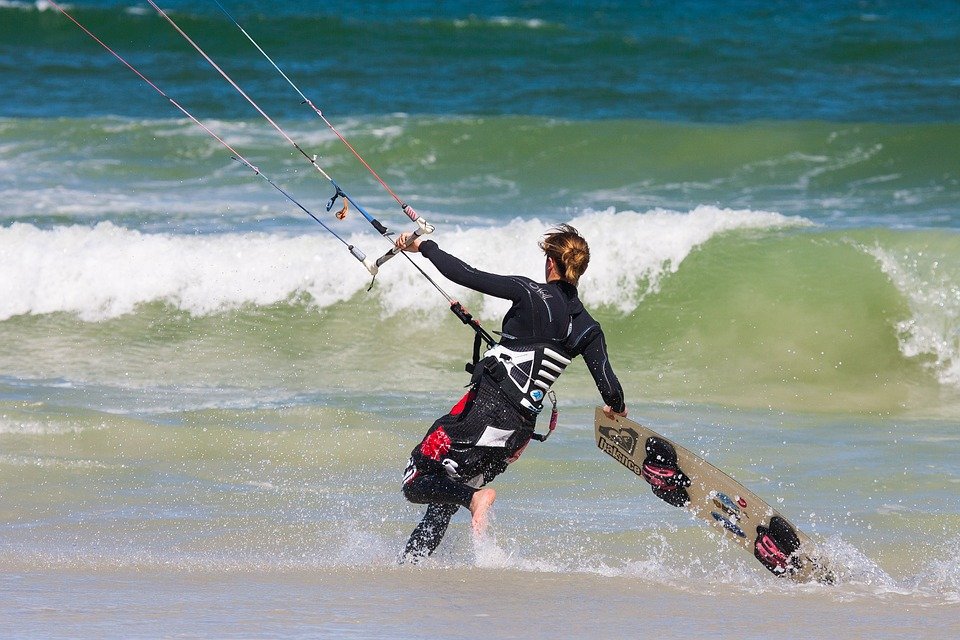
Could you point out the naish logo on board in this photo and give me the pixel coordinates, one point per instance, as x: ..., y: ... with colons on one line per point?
x: 614, y: 451
x: 625, y: 439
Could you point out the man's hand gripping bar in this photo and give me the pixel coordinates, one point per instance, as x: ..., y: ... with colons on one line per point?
x: 424, y: 228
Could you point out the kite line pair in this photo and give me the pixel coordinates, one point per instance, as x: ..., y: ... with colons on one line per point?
x: 373, y: 266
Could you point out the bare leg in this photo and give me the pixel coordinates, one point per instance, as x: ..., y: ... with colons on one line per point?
x: 480, y: 507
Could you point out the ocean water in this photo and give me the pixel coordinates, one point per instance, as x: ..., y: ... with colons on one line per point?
x: 205, y: 408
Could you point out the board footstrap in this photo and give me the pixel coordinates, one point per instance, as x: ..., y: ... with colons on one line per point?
x: 776, y: 545
x: 663, y: 474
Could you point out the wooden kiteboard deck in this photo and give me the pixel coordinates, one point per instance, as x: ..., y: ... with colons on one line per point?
x: 683, y: 479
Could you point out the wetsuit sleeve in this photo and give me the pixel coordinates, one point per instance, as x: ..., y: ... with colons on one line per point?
x: 598, y: 362
x: 458, y: 271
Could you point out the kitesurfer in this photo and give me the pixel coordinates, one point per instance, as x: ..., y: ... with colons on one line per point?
x: 544, y: 329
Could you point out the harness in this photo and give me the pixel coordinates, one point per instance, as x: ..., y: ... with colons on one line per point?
x: 524, y: 370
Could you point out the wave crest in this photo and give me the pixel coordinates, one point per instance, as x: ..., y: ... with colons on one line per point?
x: 106, y: 271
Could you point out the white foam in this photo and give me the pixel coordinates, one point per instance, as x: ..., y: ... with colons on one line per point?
x: 49, y: 462
x: 932, y: 331
x: 941, y: 576
x: 105, y: 271
x: 632, y: 249
x: 501, y: 21
x: 852, y: 566
x: 39, y: 5
x: 18, y: 424
x: 35, y: 427
x: 630, y: 253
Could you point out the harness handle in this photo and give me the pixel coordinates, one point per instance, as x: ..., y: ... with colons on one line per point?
x: 481, y: 333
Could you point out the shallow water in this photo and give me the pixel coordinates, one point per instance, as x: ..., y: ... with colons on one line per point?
x: 204, y: 413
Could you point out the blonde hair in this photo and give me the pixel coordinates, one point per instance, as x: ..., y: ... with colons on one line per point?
x: 569, y: 251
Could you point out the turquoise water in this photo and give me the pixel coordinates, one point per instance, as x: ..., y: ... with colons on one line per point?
x: 196, y: 381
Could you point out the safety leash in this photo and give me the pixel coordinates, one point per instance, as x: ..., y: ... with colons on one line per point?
x: 480, y: 334
x: 312, y: 159
x: 372, y: 266
x: 423, y: 227
x: 554, y: 418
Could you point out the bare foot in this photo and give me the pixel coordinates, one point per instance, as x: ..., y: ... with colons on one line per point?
x: 479, y: 507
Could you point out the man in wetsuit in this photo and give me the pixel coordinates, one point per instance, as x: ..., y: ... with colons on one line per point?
x: 544, y: 329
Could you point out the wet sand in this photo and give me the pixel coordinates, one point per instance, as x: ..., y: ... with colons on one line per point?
x: 414, y: 602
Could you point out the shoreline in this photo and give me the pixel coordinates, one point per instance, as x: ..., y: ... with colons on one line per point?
x: 416, y: 602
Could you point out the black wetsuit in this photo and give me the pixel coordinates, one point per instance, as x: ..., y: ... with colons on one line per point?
x: 454, y: 459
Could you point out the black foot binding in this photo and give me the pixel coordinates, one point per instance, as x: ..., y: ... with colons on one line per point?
x: 661, y: 471
x: 775, y: 545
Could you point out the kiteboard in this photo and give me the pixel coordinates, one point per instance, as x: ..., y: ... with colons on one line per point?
x: 683, y: 479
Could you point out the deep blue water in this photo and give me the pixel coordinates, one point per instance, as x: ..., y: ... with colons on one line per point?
x: 679, y: 61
